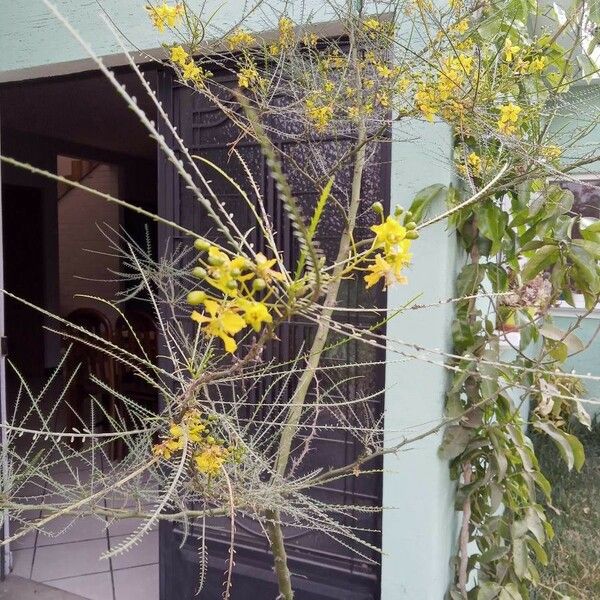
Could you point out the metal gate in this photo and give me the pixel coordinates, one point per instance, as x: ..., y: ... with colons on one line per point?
x: 322, y: 569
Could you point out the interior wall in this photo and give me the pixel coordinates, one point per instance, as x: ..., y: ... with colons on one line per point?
x: 85, y: 259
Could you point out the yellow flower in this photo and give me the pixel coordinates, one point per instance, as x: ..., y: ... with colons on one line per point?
x: 255, y: 313
x: 389, y: 267
x: 222, y: 322
x: 164, y: 15
x: 286, y: 32
x: 383, y: 99
x: 247, y: 76
x: 509, y: 115
x: 474, y: 161
x: 310, y: 40
x: 372, y: 24
x: 192, y: 72
x: 461, y: 27
x: 239, y: 38
x: 389, y: 234
x: 551, y: 152
x: 384, y: 70
x: 320, y: 114
x: 538, y: 64
x: 264, y: 269
x: 510, y: 51
x: 210, y: 460
x: 179, y: 56
x: 225, y: 273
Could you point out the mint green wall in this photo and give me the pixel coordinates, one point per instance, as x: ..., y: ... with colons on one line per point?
x: 32, y: 41
x: 588, y: 362
x: 419, y: 527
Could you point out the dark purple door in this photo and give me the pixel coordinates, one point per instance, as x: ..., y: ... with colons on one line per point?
x: 322, y: 569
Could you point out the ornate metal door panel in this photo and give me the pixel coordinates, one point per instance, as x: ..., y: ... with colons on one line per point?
x: 322, y: 568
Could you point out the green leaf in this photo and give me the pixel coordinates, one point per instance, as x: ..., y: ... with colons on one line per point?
x: 542, y: 259
x: 494, y: 553
x: 425, y: 198
x: 570, y: 340
x: 488, y: 590
x: 520, y: 557
x: 454, y: 443
x: 469, y: 278
x: 586, y: 268
x: 510, y: 592
x: 538, y: 550
x: 569, y: 446
x: 590, y: 229
x: 591, y: 247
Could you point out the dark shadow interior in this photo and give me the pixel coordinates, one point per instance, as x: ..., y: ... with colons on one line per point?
x: 80, y: 117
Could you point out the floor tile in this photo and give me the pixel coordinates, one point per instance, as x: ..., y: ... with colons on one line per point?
x: 69, y: 560
x: 25, y: 519
x: 144, y: 553
x: 72, y: 529
x: 118, y: 527
x: 21, y: 562
x: 138, y: 583
x: 92, y: 587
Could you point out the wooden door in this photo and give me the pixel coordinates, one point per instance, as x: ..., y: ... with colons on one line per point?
x: 322, y: 569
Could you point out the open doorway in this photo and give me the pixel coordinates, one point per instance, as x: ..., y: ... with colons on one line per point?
x: 55, y: 256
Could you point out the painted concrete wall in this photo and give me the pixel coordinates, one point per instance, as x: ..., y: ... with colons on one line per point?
x: 79, y: 217
x: 420, y: 528
x: 584, y: 101
x: 31, y: 38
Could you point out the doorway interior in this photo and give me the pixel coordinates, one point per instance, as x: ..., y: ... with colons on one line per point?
x: 56, y: 256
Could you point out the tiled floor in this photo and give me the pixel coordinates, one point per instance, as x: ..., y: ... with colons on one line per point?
x: 69, y: 559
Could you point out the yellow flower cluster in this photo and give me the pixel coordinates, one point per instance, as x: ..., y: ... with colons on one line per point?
x: 208, y: 451
x: 245, y: 287
x: 443, y: 93
x: 509, y: 117
x: 239, y: 39
x: 165, y: 15
x: 391, y: 244
x: 190, y: 71
x: 319, y: 113
x: 248, y: 75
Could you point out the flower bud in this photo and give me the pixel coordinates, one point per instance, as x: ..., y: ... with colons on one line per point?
x: 235, y: 272
x: 398, y: 211
x: 232, y: 284
x: 201, y: 245
x: 410, y: 225
x: 196, y: 297
x: 216, y: 261
x: 199, y: 272
x: 259, y: 284
x: 377, y: 208
x: 412, y: 235
x: 408, y: 216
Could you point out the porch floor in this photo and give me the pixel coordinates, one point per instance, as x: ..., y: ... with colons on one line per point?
x: 69, y: 559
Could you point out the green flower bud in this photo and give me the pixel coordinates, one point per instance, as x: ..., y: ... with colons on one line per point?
x: 398, y: 211
x: 410, y: 225
x: 195, y: 298
x: 235, y: 272
x: 412, y: 235
x: 199, y: 272
x: 216, y: 261
x: 232, y: 284
x: 377, y: 208
x: 259, y: 284
x: 408, y: 216
x: 201, y: 245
